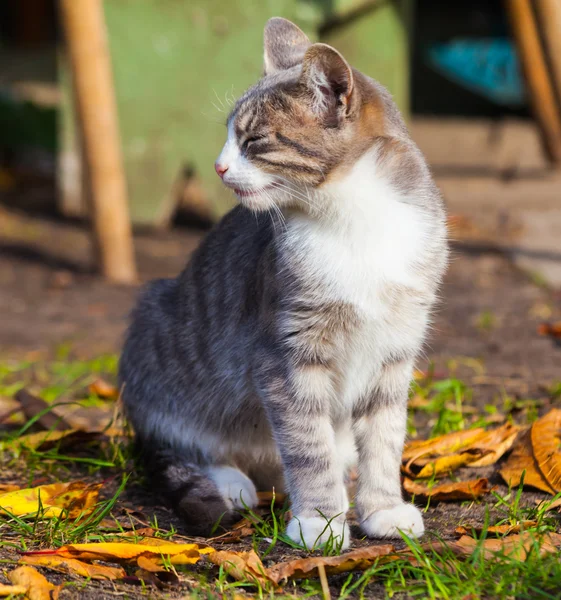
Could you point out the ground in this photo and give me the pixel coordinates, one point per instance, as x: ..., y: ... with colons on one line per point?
x: 55, y: 311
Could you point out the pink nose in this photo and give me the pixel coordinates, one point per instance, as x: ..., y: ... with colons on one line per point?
x: 220, y: 169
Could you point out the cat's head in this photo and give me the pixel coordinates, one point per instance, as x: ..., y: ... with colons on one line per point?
x: 308, y: 117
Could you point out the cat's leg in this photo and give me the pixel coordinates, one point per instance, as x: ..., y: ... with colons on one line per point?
x: 380, y: 427
x: 299, y: 412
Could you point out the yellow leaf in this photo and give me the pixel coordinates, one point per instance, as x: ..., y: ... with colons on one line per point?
x: 522, y: 460
x: 74, y: 567
x: 12, y: 590
x: 445, y: 444
x: 444, y: 465
x: 546, y: 444
x: 243, y: 566
x: 496, y: 442
x: 37, y: 586
x: 43, y: 440
x: 75, y: 497
x: 126, y: 552
x: 458, y: 490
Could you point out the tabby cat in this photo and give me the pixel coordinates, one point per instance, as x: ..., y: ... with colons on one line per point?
x: 283, y: 353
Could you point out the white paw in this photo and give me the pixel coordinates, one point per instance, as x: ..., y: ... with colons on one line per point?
x: 234, y: 486
x: 313, y: 532
x: 389, y: 522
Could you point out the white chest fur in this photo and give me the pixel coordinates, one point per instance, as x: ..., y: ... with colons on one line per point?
x: 372, y: 244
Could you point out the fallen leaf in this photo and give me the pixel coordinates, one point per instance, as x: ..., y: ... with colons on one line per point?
x: 12, y: 590
x: 442, y: 465
x: 125, y: 552
x: 546, y: 444
x: 444, y: 444
x: 75, y: 497
x: 37, y: 586
x: 8, y: 487
x: 266, y: 498
x: 549, y: 505
x: 497, y: 442
x: 522, y: 460
x: 551, y: 329
x: 243, y: 566
x: 74, y: 567
x: 496, y: 530
x: 515, y: 546
x: 356, y: 560
x: 44, y: 440
x: 447, y: 492
x: 474, y: 448
x: 149, y: 564
x: 104, y: 390
x: 240, y: 530
x: 32, y: 406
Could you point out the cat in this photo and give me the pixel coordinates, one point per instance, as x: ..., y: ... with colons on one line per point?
x: 284, y: 352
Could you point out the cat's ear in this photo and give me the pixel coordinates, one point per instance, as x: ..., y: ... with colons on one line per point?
x: 329, y: 78
x: 285, y: 45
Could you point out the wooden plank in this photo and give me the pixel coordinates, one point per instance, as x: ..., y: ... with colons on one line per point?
x: 549, y: 15
x: 89, y: 58
x: 539, y: 85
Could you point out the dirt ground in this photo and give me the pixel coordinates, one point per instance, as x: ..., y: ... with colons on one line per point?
x: 485, y: 330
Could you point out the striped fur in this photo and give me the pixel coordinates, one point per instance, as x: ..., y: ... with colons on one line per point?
x: 284, y: 351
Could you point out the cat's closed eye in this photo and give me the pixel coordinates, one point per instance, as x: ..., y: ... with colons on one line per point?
x: 251, y: 140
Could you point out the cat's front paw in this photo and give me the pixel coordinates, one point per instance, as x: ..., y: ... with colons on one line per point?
x: 389, y: 522
x: 314, y: 532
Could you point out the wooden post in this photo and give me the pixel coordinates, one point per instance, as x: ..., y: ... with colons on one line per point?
x: 538, y: 83
x: 91, y: 71
x: 549, y: 15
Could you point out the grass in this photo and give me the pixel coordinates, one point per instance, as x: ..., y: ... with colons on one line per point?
x: 445, y: 405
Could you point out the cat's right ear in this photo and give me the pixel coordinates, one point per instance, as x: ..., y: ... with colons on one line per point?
x: 285, y: 45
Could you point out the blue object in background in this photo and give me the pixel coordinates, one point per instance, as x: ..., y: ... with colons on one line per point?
x: 488, y: 67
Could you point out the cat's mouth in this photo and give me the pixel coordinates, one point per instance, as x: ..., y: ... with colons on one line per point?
x: 255, y: 192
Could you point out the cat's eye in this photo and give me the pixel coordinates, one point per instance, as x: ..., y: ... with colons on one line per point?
x: 250, y: 140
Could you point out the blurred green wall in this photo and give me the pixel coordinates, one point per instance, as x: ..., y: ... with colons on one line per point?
x: 178, y: 64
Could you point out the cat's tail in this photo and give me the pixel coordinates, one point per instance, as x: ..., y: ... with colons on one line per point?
x: 188, y: 490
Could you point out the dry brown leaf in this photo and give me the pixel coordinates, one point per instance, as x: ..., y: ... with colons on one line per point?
x: 32, y: 406
x: 522, y: 459
x: 11, y: 590
x: 266, y: 498
x: 76, y: 498
x: 243, y: 566
x: 497, y: 442
x: 242, y: 529
x: 515, y: 546
x: 356, y: 560
x: 147, y: 563
x: 496, y: 530
x: 8, y: 487
x: 74, y: 567
x: 126, y: 552
x: 104, y: 390
x: 447, y: 492
x: 546, y: 444
x: 551, y: 329
x: 550, y: 505
x: 37, y: 586
x: 444, y: 444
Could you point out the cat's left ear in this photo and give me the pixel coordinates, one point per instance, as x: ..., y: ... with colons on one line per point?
x: 329, y: 78
x: 285, y: 45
